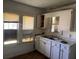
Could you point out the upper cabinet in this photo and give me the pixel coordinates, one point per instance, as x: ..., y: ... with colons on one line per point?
x: 62, y: 18
x: 40, y: 21
x: 73, y: 21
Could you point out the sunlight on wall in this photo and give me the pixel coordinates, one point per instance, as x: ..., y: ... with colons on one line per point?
x: 10, y: 42
x: 27, y: 39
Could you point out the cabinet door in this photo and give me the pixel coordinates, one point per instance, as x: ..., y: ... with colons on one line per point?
x: 42, y: 47
x: 37, y: 42
x: 42, y: 21
x: 47, y: 49
x: 55, y: 51
x: 73, y: 21
x: 64, y: 53
x: 45, y: 46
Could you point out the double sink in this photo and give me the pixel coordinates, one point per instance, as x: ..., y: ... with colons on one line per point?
x: 55, y: 38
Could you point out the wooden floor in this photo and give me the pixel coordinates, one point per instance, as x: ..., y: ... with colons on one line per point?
x: 31, y: 55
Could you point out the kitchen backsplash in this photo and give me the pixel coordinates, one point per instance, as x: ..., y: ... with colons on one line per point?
x: 69, y: 35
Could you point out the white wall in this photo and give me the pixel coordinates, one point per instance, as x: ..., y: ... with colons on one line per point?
x: 12, y: 50
x: 64, y: 19
x: 64, y: 22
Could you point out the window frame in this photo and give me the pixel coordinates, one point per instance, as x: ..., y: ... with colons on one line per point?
x: 6, y: 42
x: 26, y: 20
x: 9, y: 41
x: 29, y: 34
x: 54, y: 23
x: 20, y: 28
x: 9, y: 23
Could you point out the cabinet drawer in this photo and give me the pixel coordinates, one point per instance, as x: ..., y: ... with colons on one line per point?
x: 46, y: 40
x: 65, y: 46
x: 54, y: 43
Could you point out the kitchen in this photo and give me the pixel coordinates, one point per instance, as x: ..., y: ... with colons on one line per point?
x: 52, y: 32
x: 57, y: 45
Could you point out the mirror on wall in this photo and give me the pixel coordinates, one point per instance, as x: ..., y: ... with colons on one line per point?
x: 55, y: 23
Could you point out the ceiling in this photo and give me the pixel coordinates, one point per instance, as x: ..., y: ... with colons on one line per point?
x: 46, y: 3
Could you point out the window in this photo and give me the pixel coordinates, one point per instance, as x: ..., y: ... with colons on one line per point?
x: 28, y: 23
x: 10, y: 31
x: 11, y: 25
x: 8, y: 26
x: 10, y: 17
x: 28, y: 27
x: 55, y: 23
x: 53, y: 26
x: 12, y: 28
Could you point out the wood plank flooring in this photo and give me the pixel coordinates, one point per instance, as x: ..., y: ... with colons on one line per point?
x: 31, y: 55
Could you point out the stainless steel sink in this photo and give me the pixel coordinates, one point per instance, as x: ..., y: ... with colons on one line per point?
x: 55, y: 38
x: 51, y: 37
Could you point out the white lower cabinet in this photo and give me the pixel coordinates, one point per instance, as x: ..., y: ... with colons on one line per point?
x: 55, y: 50
x: 68, y: 51
x: 64, y: 51
x: 42, y: 45
x: 47, y: 50
x: 45, y: 45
